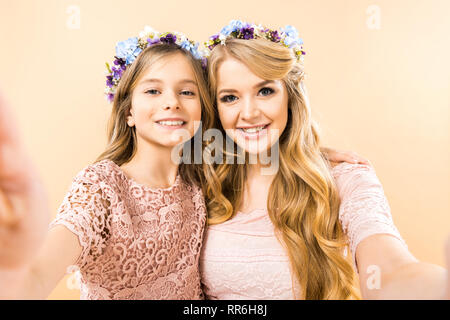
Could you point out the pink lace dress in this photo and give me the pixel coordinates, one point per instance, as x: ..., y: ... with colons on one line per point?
x: 137, y: 242
x: 242, y: 259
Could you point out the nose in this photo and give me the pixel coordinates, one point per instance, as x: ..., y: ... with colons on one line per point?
x: 249, y: 109
x: 171, y: 102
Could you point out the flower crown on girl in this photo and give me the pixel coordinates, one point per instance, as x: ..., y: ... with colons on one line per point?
x: 287, y: 36
x: 128, y: 50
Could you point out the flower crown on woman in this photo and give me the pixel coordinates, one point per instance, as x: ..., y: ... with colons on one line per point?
x: 127, y: 51
x: 287, y: 36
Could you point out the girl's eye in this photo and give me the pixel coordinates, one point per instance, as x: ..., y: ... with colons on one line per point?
x: 266, y: 91
x: 152, y: 91
x: 228, y: 99
x: 187, y: 93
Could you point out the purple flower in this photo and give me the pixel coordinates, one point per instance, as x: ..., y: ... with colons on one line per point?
x: 215, y: 40
x: 204, y: 62
x: 169, y: 39
x: 246, y: 33
x: 274, y: 36
x: 152, y: 41
x: 110, y: 97
x: 120, y: 62
x: 109, y: 81
x: 117, y: 72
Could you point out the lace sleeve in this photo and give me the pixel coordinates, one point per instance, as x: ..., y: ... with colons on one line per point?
x: 364, y: 209
x: 84, y: 212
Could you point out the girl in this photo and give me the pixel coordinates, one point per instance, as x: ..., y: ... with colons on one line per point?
x: 132, y: 222
x: 283, y: 235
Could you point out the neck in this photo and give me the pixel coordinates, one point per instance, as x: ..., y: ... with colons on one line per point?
x: 255, y: 173
x: 152, y: 165
x: 256, y: 189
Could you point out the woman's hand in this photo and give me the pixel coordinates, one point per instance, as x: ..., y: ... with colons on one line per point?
x: 24, y: 213
x: 334, y: 155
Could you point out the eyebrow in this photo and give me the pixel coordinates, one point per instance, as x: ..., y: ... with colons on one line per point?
x: 258, y: 85
x: 152, y: 80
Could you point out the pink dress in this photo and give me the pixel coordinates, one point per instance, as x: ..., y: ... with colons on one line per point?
x: 137, y: 242
x: 242, y: 259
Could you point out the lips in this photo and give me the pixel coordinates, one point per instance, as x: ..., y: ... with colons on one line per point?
x: 171, y: 123
x: 253, y: 132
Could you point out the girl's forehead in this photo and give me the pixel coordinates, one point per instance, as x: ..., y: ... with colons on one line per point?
x: 174, y: 67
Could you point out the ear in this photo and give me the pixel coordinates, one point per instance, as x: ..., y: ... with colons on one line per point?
x: 130, y: 118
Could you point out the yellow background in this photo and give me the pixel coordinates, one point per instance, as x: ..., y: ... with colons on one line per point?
x: 383, y: 93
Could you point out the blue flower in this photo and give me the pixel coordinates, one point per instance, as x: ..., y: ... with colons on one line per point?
x: 234, y: 25
x: 292, y: 37
x: 227, y: 30
x: 290, y: 31
x: 193, y: 49
x: 290, y: 42
x: 128, y: 50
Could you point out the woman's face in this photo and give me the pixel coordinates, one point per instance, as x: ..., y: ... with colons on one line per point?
x: 166, y: 102
x: 253, y: 111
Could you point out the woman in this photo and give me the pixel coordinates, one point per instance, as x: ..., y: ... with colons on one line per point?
x: 283, y: 235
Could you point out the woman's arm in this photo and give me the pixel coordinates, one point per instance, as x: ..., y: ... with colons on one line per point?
x: 389, y: 271
x: 24, y: 212
x: 60, y: 249
x: 386, y: 268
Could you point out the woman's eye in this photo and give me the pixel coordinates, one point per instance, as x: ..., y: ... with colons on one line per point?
x: 152, y: 91
x: 228, y: 98
x: 187, y: 93
x: 266, y: 91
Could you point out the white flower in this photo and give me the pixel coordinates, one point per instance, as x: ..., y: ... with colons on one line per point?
x: 148, y: 32
x: 222, y: 39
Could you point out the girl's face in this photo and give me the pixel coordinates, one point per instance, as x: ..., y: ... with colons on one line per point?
x: 165, y: 100
x: 253, y: 111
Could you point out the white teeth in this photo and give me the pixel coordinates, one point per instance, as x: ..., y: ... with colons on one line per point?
x: 170, y: 123
x: 253, y: 130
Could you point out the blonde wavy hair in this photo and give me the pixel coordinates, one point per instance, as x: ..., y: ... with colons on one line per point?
x: 121, y: 146
x: 303, y: 201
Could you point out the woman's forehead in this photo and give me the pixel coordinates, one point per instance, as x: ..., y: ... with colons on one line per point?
x: 236, y: 74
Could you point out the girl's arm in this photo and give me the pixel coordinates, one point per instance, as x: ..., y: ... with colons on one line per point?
x: 36, y: 280
x: 389, y: 271
x: 24, y: 212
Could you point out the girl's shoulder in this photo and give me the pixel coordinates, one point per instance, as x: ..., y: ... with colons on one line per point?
x: 104, y: 172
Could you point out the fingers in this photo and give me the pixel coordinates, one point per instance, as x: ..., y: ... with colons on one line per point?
x: 344, y: 156
x: 357, y: 158
x: 11, y: 150
x: 7, y: 216
x: 9, y: 133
